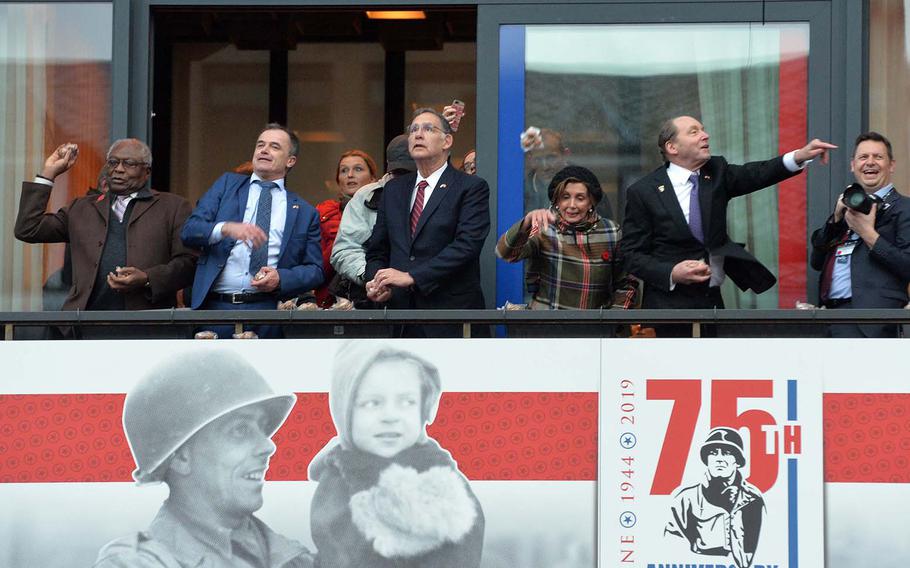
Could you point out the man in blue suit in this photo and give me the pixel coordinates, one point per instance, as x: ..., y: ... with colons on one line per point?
x: 431, y: 225
x: 259, y: 242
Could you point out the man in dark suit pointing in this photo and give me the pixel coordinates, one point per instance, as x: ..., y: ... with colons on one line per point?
x: 425, y: 248
x: 675, y: 230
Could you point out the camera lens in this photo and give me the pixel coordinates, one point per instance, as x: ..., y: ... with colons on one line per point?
x: 854, y: 200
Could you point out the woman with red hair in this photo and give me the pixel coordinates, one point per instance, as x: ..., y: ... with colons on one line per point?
x: 355, y: 169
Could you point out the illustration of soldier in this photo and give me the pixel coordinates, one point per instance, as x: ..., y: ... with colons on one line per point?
x: 722, y: 515
x: 203, y: 424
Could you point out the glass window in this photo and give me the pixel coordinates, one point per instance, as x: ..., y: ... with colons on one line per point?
x: 55, y: 72
x: 435, y: 78
x: 220, y: 101
x: 889, y: 79
x: 336, y: 97
x: 600, y: 92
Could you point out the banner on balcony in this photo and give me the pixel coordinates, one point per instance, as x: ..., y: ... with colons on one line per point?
x: 419, y: 453
x: 711, y: 455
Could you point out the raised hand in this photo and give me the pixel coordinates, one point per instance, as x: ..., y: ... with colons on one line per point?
x: 60, y: 160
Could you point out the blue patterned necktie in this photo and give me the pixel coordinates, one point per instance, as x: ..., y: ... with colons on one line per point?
x: 260, y: 255
x: 695, y: 211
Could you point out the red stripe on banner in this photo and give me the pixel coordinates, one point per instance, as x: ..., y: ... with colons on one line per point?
x: 791, y: 194
x: 505, y: 436
x: 492, y: 435
x: 867, y: 437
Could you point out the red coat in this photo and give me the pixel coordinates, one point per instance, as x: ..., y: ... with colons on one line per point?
x: 329, y: 221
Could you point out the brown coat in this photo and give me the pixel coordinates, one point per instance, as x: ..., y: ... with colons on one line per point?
x: 153, y: 242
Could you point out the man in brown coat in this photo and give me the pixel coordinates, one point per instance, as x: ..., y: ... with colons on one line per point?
x: 126, y: 248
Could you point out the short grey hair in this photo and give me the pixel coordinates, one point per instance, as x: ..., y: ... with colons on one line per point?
x: 146, y: 151
x: 295, y: 140
x: 668, y: 131
x: 446, y: 127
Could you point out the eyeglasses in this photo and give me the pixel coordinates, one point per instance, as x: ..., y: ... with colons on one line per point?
x: 128, y: 164
x: 426, y: 127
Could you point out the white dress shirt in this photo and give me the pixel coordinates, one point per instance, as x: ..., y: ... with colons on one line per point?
x: 432, y: 180
x: 236, y: 275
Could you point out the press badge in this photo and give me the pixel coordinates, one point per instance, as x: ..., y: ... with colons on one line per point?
x: 845, y: 250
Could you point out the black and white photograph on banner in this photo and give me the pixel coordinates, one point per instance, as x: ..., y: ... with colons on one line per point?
x: 388, y: 494
x: 297, y: 453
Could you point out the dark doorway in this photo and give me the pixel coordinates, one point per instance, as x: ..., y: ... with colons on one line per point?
x: 339, y: 78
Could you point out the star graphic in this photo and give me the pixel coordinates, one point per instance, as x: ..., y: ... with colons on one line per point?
x: 628, y: 440
x: 628, y: 519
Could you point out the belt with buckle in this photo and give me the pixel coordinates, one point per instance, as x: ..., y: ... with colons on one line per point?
x: 835, y: 303
x: 243, y: 297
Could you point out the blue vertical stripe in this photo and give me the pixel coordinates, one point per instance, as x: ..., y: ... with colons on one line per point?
x: 791, y: 399
x: 509, y: 183
x: 792, y: 485
x: 793, y: 510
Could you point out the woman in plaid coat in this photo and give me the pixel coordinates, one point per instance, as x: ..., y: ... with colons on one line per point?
x: 574, y: 252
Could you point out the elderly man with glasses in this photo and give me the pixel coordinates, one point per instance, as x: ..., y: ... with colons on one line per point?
x: 431, y: 226
x: 126, y: 248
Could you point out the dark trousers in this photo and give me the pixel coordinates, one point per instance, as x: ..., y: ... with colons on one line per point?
x: 227, y: 331
x: 853, y: 330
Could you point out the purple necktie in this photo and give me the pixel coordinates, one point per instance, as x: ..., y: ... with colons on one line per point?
x: 695, y: 211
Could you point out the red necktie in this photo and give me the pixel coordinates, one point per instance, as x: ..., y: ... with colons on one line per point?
x: 417, y: 209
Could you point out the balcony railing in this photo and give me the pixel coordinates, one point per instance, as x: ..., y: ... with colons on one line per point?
x: 327, y: 323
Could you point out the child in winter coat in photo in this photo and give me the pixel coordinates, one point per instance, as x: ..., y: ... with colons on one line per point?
x: 388, y: 494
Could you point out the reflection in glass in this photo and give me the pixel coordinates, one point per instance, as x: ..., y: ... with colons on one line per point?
x: 602, y: 91
x: 55, y: 65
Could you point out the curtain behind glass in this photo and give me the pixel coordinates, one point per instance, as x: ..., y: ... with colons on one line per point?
x: 22, y: 53
x: 739, y: 109
x: 54, y: 88
x: 608, y: 88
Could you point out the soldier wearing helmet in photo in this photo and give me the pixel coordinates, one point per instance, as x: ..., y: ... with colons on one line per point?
x: 722, y: 515
x: 202, y: 423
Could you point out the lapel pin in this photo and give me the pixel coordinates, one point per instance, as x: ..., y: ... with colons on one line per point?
x: 660, y: 188
x: 442, y: 186
x: 708, y: 178
x: 295, y: 206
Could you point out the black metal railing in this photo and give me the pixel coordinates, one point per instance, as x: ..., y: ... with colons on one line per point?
x: 765, y: 323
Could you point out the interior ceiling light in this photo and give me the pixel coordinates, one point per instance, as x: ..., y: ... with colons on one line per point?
x: 396, y: 15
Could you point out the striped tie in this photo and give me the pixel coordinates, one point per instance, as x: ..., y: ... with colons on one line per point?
x: 259, y: 256
x: 120, y: 203
x: 418, y: 205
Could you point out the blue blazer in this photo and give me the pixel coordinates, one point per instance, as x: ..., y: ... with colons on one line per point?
x: 299, y: 260
x: 443, y: 255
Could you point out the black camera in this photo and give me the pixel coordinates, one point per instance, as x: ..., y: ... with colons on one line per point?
x: 856, y: 198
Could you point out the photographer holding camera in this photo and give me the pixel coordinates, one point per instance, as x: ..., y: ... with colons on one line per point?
x: 863, y: 249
